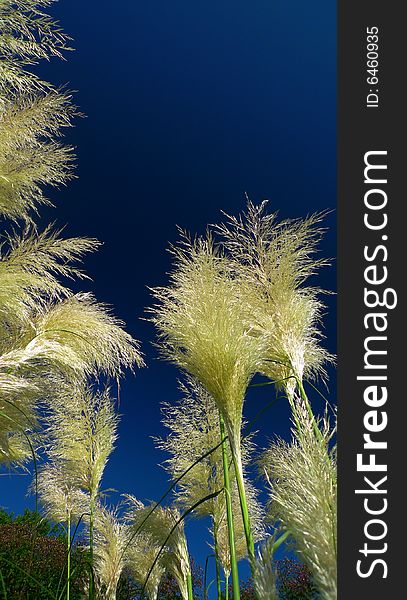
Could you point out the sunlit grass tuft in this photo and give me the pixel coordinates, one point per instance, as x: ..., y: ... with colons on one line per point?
x: 302, y: 476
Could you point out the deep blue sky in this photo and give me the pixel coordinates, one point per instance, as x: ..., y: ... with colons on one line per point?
x: 189, y: 105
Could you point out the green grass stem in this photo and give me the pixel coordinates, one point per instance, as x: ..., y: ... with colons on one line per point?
x: 229, y: 514
x: 245, y: 511
x: 217, y: 565
x: 68, y: 560
x: 189, y: 586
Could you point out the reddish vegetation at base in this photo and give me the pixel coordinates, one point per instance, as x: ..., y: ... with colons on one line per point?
x: 31, y: 564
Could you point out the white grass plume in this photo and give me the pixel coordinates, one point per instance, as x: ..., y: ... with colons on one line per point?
x: 193, y: 424
x: 15, y: 451
x: 49, y: 334
x: 59, y: 495
x: 110, y: 540
x: 140, y: 555
x: 265, y: 573
x: 27, y: 32
x: 193, y: 430
x: 206, y: 328
x: 31, y: 155
x: 303, y: 497
x: 46, y: 333
x: 86, y: 337
x: 275, y: 260
x: 32, y: 112
x: 18, y: 418
x: 31, y: 264
x: 82, y: 429
x: 157, y: 527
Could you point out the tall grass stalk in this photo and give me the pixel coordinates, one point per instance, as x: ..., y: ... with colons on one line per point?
x: 226, y: 586
x: 189, y: 585
x: 68, y: 559
x: 244, y: 508
x: 229, y: 514
x: 110, y: 535
x: 91, y: 542
x: 206, y: 327
x: 194, y: 424
x: 272, y: 260
x: 217, y: 564
x: 62, y: 502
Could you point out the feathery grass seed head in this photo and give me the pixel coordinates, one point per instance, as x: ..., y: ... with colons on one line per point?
x: 83, y: 430
x: 205, y: 327
x: 110, y: 540
x: 59, y: 495
x: 303, y: 497
x: 157, y: 527
x: 275, y: 259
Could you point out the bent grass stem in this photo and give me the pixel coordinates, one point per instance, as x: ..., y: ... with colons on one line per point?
x: 182, y: 517
x: 169, y: 489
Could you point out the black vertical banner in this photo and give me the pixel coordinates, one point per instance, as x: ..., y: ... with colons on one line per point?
x: 372, y: 263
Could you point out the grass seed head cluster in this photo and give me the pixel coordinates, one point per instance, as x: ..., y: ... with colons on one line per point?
x: 239, y: 303
x: 302, y: 476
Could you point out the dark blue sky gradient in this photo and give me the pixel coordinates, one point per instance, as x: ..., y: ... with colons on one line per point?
x: 189, y: 105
